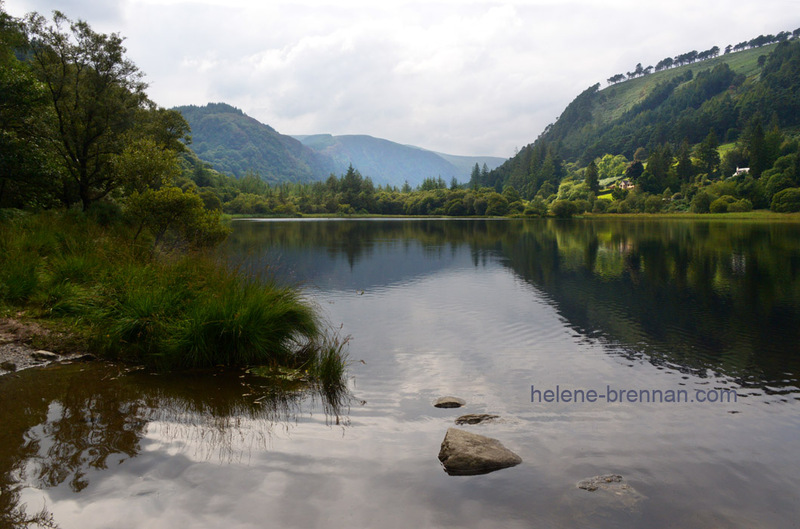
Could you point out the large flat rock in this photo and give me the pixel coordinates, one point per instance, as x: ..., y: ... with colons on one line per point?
x: 464, y: 453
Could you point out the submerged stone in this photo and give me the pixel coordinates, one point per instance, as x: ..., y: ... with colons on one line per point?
x: 607, y: 481
x: 449, y: 402
x: 614, y: 488
x: 475, y: 418
x: 467, y: 454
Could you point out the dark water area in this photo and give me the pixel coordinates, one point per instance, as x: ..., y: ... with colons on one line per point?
x: 480, y: 309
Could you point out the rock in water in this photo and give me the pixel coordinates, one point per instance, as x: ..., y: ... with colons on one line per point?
x: 467, y: 454
x: 449, y: 402
x: 44, y: 356
x: 613, y: 487
x: 607, y: 482
x: 475, y: 418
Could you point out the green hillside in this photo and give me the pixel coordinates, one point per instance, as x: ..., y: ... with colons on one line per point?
x: 623, y: 96
x: 662, y: 130
x: 235, y: 143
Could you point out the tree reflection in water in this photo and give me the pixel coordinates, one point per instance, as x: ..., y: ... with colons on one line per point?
x: 62, y: 422
x: 692, y: 294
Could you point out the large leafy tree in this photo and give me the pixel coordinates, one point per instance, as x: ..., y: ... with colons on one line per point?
x: 24, y: 168
x: 96, y: 95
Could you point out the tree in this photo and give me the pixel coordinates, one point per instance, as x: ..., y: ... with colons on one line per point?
x: 175, y: 218
x: 95, y: 93
x: 143, y: 164
x: 708, y: 154
x: 634, y: 170
x: 684, y: 169
x: 475, y: 177
x: 755, y: 146
x: 26, y: 174
x: 591, y: 177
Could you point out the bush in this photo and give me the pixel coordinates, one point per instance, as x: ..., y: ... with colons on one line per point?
x: 563, y: 209
x: 497, y: 205
x: 536, y: 208
x: 582, y: 206
x: 176, y: 218
x: 105, y: 213
x: 740, y: 206
x: 653, y: 204
x: 601, y: 205
x: 786, y: 201
x: 721, y: 204
x: 701, y: 203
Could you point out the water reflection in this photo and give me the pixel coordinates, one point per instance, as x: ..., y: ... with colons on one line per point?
x: 695, y: 295
x: 61, y: 424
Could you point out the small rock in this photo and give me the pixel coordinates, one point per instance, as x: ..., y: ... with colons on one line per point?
x: 44, y: 356
x: 475, y: 418
x: 449, y: 402
x: 605, y: 481
x: 467, y: 454
x: 8, y: 366
x: 613, y: 488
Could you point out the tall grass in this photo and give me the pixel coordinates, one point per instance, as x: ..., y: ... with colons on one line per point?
x: 168, y: 312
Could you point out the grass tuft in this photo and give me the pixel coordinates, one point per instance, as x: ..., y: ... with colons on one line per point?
x: 165, y: 311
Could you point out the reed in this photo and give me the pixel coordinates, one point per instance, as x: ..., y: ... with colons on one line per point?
x: 166, y: 311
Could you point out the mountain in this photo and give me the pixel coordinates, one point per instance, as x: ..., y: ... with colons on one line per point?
x: 387, y: 162
x: 235, y: 143
x: 726, y: 94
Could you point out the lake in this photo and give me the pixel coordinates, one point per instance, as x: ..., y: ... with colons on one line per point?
x: 518, y: 318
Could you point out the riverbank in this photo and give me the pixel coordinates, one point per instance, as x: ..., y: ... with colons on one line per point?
x: 760, y: 214
x: 26, y: 344
x: 87, y: 288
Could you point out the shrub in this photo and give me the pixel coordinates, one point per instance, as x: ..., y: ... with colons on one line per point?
x: 721, y: 204
x: 786, y: 201
x: 601, y: 205
x: 563, y: 209
x: 653, y: 204
x: 740, y: 206
x: 701, y: 203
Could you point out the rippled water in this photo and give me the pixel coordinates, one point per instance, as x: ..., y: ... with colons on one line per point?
x: 478, y: 309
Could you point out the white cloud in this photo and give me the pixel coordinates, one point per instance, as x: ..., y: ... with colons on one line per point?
x: 466, y: 77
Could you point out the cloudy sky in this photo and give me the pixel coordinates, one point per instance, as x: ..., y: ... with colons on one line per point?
x: 455, y: 76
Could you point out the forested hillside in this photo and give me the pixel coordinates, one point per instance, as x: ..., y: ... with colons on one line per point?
x: 666, y: 129
x: 235, y: 143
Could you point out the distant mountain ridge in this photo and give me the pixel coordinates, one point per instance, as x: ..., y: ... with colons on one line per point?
x: 387, y: 162
x: 235, y: 143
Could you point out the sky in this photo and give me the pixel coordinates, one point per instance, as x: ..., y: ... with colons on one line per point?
x: 454, y: 76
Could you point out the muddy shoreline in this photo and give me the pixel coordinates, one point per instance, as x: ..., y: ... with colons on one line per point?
x: 26, y: 344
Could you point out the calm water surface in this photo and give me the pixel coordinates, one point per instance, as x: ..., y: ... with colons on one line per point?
x: 474, y: 308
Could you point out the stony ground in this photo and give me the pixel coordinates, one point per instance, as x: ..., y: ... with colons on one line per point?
x: 21, y: 345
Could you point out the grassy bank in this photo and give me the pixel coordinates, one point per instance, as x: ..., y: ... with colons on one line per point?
x: 755, y: 215
x: 167, y: 311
